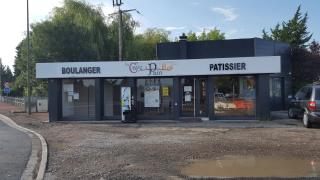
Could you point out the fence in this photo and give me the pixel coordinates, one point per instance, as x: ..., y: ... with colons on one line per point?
x: 38, y: 104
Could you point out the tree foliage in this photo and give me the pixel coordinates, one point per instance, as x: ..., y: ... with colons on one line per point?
x: 143, y: 47
x: 293, y: 31
x: 75, y: 32
x: 315, y: 48
x: 213, y: 34
x: 128, y: 28
x: 305, y: 67
x: 6, y: 75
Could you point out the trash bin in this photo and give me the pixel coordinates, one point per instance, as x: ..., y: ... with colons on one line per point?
x: 129, y: 116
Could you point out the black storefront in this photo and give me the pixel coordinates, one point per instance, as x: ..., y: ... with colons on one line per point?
x: 157, y: 95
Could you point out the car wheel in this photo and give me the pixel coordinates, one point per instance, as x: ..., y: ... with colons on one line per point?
x: 306, y: 120
x: 291, y: 114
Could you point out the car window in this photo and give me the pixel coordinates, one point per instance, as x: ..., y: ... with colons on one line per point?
x: 308, y: 93
x: 304, y: 93
x: 301, y: 93
x: 317, y: 94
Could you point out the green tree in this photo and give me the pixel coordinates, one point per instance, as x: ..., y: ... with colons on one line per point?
x: 128, y: 28
x: 143, y: 47
x: 315, y: 48
x: 75, y: 32
x: 213, y: 34
x: 192, y: 36
x: 6, y: 75
x: 293, y: 31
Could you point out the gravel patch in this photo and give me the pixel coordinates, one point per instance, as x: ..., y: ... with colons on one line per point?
x: 160, y: 151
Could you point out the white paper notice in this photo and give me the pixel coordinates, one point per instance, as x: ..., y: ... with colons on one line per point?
x: 76, y: 96
x: 187, y: 98
x: 152, y: 96
x: 187, y: 88
x: 69, y: 99
x: 68, y: 88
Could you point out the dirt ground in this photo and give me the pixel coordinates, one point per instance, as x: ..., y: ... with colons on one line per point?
x: 158, y: 150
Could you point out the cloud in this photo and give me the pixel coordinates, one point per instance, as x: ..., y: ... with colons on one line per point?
x: 228, y: 13
x: 174, y: 28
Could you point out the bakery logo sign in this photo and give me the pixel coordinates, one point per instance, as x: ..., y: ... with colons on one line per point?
x: 153, y: 69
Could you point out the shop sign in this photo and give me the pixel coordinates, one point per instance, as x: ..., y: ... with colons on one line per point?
x: 161, y: 68
x: 152, y: 69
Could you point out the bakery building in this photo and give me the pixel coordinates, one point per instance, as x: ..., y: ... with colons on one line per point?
x: 238, y: 79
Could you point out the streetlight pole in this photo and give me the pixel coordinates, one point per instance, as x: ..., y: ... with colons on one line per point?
x: 28, y: 62
x: 120, y: 35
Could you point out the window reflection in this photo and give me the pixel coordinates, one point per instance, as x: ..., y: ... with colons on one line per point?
x: 112, y: 97
x: 234, y: 96
x: 154, y: 97
x: 78, y: 98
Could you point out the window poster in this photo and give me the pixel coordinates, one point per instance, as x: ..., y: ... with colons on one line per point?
x: 70, y: 98
x: 68, y: 88
x: 152, y: 96
x: 165, y: 91
x: 187, y: 97
x: 187, y: 88
x: 76, y: 96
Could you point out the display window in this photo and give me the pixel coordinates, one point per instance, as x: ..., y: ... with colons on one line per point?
x: 154, y: 98
x: 78, y: 99
x: 234, y: 96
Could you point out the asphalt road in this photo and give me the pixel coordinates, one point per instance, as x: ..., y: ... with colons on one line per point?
x: 15, y: 149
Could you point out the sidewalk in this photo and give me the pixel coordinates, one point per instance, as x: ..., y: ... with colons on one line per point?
x: 15, y: 149
x: 25, y: 149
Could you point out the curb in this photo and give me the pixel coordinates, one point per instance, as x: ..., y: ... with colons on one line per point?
x: 33, y: 159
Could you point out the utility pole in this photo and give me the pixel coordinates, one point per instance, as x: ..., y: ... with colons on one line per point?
x: 118, y: 3
x: 28, y: 62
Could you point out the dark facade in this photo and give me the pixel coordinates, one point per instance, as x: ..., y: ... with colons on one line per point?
x: 253, y: 47
x: 270, y: 91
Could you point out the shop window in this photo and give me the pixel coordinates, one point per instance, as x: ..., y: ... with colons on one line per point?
x: 275, y: 88
x: 234, y: 96
x: 155, y: 97
x: 78, y: 98
x: 112, y: 97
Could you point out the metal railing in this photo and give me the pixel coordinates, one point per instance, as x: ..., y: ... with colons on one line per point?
x: 16, y: 101
x: 36, y: 105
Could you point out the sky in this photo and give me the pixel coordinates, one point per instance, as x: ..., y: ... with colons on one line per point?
x: 236, y: 18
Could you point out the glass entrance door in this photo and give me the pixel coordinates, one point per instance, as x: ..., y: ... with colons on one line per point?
x: 193, y: 97
x: 187, y: 98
